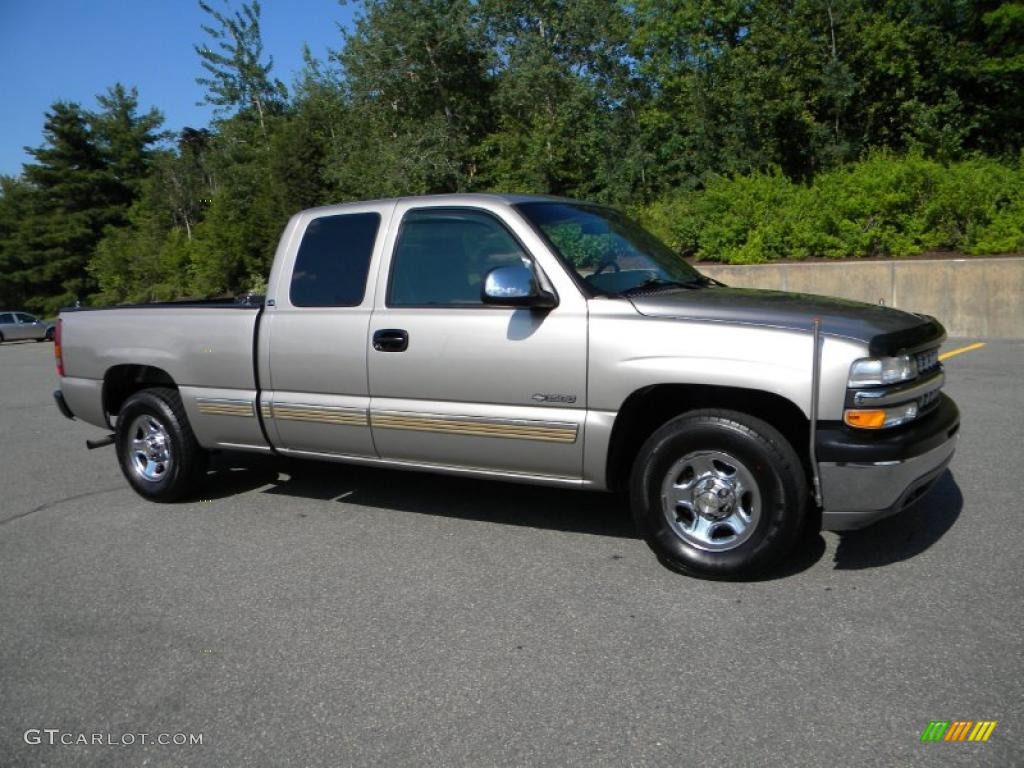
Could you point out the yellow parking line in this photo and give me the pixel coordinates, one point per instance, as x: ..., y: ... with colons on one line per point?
x: 961, y: 350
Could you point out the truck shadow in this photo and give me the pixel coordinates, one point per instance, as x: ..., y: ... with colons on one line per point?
x: 598, y: 514
x: 907, y: 534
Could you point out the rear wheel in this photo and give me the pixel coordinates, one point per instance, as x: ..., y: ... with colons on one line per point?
x: 718, y: 494
x: 156, y: 448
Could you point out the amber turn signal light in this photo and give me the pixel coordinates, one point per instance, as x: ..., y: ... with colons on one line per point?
x: 865, y: 419
x: 880, y: 418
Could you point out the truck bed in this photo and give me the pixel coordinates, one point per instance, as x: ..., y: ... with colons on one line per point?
x: 204, y: 347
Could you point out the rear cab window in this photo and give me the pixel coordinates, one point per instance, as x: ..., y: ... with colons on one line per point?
x: 333, y: 260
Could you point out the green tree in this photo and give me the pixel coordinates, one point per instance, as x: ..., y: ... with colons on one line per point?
x: 416, y: 86
x: 303, y: 145
x: 185, y: 180
x: 18, y: 199
x: 147, y: 259
x: 151, y: 255
x: 738, y: 87
x: 125, y: 139
x: 76, y: 199
x: 244, y: 218
x: 743, y: 131
x: 1000, y: 78
x: 558, y: 66
x: 244, y: 208
x: 239, y: 78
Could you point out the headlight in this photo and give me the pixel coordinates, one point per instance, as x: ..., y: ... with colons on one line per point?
x: 877, y: 371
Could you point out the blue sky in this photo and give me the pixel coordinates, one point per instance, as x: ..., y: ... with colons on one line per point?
x: 75, y: 49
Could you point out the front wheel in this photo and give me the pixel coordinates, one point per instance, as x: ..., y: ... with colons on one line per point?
x: 158, y: 453
x: 718, y: 494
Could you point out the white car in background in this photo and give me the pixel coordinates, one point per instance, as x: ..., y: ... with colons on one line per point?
x: 15, y: 326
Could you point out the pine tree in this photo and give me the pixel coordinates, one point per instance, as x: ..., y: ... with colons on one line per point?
x: 73, y: 204
x: 125, y: 138
x: 17, y: 201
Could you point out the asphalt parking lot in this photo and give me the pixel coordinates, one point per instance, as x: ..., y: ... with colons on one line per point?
x: 318, y: 614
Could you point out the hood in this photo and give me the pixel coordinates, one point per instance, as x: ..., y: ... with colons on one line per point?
x: 886, y: 330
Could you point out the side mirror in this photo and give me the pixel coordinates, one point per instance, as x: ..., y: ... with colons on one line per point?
x: 515, y: 286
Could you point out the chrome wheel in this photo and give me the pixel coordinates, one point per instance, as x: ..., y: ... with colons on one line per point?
x: 711, y: 500
x: 150, y: 449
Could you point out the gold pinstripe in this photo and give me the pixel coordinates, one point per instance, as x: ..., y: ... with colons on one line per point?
x: 321, y: 414
x: 514, y: 429
x: 217, y: 407
x: 552, y: 432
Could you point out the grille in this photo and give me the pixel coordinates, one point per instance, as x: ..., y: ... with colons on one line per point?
x: 927, y: 402
x: 927, y: 363
x: 927, y: 360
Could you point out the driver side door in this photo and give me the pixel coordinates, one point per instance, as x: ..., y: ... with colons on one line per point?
x: 459, y: 383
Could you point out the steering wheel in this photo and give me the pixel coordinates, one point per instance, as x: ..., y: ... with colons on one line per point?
x: 607, y: 263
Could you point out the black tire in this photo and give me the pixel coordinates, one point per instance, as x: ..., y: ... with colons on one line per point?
x: 186, y: 465
x: 765, y: 456
x: 50, y: 334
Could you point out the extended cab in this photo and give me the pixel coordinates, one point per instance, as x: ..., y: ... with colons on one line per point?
x: 538, y: 340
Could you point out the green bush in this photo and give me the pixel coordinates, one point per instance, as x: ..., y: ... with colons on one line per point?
x: 884, y: 205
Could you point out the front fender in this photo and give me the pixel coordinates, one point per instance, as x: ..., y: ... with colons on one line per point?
x: 631, y: 351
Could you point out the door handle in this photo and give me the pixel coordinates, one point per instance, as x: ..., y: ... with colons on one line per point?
x: 391, y: 340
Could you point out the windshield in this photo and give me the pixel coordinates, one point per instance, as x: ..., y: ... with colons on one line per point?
x: 608, y: 251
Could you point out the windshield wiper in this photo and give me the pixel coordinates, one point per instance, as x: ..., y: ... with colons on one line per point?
x: 660, y: 282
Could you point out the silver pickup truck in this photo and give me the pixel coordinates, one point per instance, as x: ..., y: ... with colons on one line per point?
x: 537, y: 340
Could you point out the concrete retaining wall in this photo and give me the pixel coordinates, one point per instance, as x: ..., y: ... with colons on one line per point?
x: 981, y: 298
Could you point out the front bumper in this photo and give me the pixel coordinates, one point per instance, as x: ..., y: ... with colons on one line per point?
x: 865, y: 480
